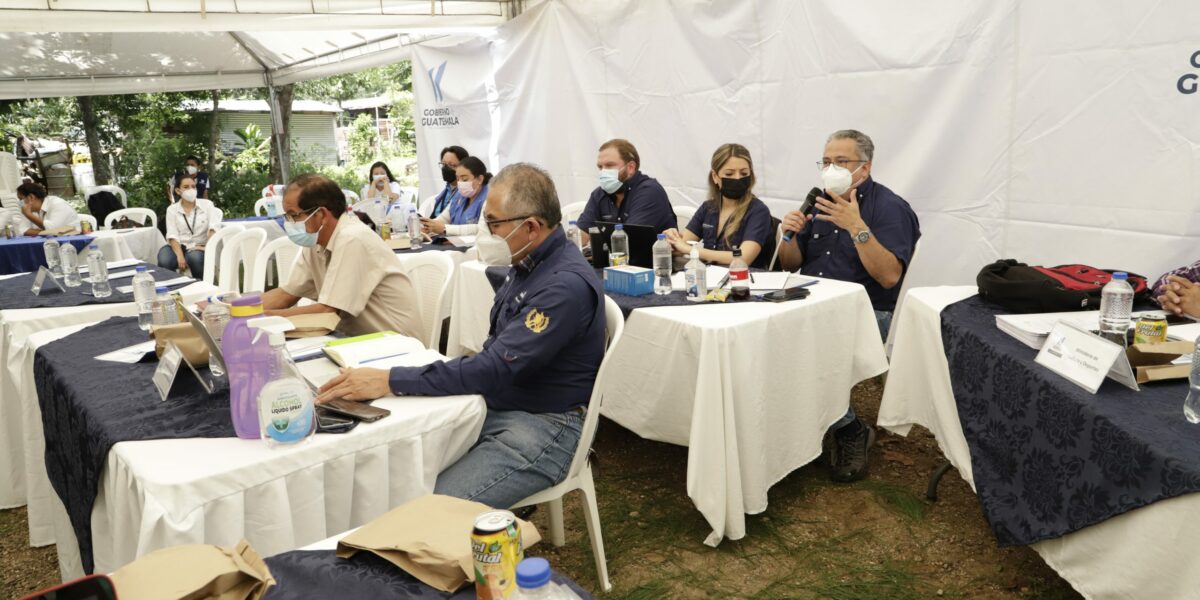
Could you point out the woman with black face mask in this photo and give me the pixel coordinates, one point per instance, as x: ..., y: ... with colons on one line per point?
x: 451, y: 157
x: 732, y: 217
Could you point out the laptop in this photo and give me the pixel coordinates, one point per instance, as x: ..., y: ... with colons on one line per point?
x: 641, y: 243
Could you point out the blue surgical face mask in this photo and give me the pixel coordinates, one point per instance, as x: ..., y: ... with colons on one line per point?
x: 610, y: 180
x: 298, y: 234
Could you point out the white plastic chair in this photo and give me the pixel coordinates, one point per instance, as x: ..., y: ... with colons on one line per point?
x: 683, y: 215
x: 425, y: 208
x: 579, y: 477
x: 273, y: 190
x: 891, y: 335
x: 215, y: 248
x: 351, y: 197
x: 285, y: 253
x: 430, y: 274
x: 134, y: 214
x: 260, y: 206
x: 240, y: 251
x: 408, y: 194
x: 778, y: 243
x: 572, y: 211
x: 109, y: 188
x: 90, y: 219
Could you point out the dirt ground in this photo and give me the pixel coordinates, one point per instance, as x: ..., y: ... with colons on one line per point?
x: 878, y: 538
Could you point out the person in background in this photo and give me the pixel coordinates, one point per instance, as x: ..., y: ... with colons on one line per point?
x: 732, y: 217
x: 863, y: 233
x: 462, y: 216
x: 41, y: 212
x: 1189, y: 273
x: 625, y: 194
x: 1178, y: 291
x: 343, y: 266
x: 190, y: 222
x: 451, y: 157
x: 381, y: 185
x: 191, y: 166
x: 538, y: 365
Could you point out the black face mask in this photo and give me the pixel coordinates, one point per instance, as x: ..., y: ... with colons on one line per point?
x: 448, y: 175
x: 735, y: 189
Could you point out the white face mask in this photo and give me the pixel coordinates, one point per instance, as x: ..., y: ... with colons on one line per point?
x: 189, y: 195
x: 837, y: 180
x: 380, y: 176
x: 493, y: 249
x: 192, y: 170
x: 466, y: 188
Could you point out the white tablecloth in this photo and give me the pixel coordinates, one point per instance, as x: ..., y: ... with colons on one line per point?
x: 141, y: 243
x: 749, y: 388
x: 160, y: 493
x: 1143, y: 553
x: 22, y: 466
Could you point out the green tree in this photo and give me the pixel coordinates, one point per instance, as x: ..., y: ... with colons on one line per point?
x: 363, y: 139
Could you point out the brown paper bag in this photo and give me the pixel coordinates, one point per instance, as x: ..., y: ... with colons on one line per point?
x: 313, y: 324
x: 195, y: 572
x: 57, y: 231
x: 185, y: 337
x: 1152, y: 362
x: 430, y: 538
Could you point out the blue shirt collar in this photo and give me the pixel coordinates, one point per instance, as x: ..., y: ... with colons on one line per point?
x: 553, y: 242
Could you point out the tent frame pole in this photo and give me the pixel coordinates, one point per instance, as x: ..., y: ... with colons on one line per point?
x: 276, y: 115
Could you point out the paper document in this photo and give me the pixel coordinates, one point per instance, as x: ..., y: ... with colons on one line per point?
x: 1032, y: 329
x: 372, y: 352
x: 766, y: 282
x: 129, y: 262
x: 462, y: 240
x: 321, y: 370
x: 129, y: 355
x: 128, y: 289
x: 302, y: 348
x: 712, y: 276
x: 121, y: 275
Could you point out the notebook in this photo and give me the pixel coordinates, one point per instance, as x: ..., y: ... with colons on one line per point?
x: 364, y: 350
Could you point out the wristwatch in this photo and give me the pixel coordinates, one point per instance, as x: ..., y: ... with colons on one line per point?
x: 863, y: 236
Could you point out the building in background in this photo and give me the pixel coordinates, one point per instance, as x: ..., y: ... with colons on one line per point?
x: 313, y: 125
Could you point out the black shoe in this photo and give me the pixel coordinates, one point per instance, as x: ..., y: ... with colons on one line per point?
x: 525, y: 512
x: 851, y: 444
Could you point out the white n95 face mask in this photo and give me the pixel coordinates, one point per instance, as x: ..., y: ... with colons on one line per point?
x: 837, y: 180
x: 493, y: 249
x: 192, y: 170
x: 189, y: 195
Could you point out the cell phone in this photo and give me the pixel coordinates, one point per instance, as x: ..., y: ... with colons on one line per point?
x: 357, y: 410
x: 792, y: 293
x: 92, y: 587
x: 328, y: 422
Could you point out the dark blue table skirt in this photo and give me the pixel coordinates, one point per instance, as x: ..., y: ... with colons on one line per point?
x: 1048, y: 457
x: 320, y: 575
x: 14, y: 292
x: 89, y: 405
x: 25, y: 254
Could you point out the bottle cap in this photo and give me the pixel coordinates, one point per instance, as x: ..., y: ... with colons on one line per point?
x: 160, y: 290
x: 140, y: 268
x: 1120, y: 275
x: 620, y: 227
x: 572, y: 222
x: 737, y: 250
x: 662, y: 236
x: 91, y: 247
x: 533, y: 572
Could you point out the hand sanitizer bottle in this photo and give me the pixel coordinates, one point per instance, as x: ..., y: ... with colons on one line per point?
x: 286, y: 403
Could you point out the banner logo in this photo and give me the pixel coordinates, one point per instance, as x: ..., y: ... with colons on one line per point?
x: 435, y: 77
x: 1189, y: 83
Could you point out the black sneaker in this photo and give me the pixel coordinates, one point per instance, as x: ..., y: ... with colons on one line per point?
x: 851, y: 444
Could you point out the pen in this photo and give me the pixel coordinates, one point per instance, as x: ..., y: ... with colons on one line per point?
x: 724, y: 280
x: 371, y: 360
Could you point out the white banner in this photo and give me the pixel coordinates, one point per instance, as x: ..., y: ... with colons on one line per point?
x: 1015, y: 129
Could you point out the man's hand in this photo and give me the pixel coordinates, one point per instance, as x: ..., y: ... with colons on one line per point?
x: 795, y: 221
x: 842, y: 212
x: 678, y: 244
x: 1182, y: 297
x: 355, y: 384
x: 27, y: 211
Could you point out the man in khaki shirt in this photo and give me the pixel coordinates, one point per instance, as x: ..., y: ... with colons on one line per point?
x: 343, y: 266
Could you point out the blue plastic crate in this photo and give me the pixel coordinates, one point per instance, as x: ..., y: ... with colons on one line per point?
x: 629, y: 280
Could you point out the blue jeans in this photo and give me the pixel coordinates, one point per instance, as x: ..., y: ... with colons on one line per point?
x: 883, y: 318
x: 194, y: 259
x: 517, y: 455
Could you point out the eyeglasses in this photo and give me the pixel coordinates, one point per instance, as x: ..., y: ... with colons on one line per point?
x: 442, y: 164
x: 499, y: 221
x: 841, y: 162
x: 292, y: 217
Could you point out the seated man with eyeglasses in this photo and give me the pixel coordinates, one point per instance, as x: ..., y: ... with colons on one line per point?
x: 343, y: 266
x: 863, y: 232
x: 538, y: 365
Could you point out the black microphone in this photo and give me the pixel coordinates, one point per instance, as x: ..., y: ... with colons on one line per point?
x: 809, y: 202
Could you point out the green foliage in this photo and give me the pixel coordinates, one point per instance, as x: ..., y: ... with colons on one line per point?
x: 256, y: 152
x: 363, y: 84
x: 349, y: 178
x: 404, y: 131
x: 363, y: 139
x: 49, y: 118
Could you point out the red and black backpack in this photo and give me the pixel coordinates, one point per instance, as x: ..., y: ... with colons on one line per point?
x: 1020, y: 288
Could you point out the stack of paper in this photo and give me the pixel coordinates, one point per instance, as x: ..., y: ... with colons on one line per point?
x: 369, y: 349
x: 713, y: 275
x: 1032, y: 330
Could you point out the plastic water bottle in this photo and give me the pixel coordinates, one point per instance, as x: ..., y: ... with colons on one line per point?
x: 249, y: 362
x: 398, y: 215
x: 215, y: 318
x: 695, y: 275
x: 50, y: 247
x: 618, y: 247
x: 143, y: 296
x: 662, y: 265
x: 70, y: 265
x: 1116, y: 308
x: 377, y: 212
x: 414, y: 228
x: 98, y: 272
x: 533, y: 582
x: 162, y: 308
x: 1191, y: 406
x: 739, y: 277
x: 573, y: 234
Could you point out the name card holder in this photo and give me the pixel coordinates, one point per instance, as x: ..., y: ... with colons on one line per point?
x: 1084, y: 358
x: 168, y: 368
x: 39, y: 282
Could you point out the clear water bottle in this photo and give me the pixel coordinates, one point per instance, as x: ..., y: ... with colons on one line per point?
x: 618, y: 247
x: 1191, y: 406
x: 695, y: 276
x: 662, y: 265
x: 50, y: 247
x: 377, y: 212
x: 215, y: 317
x: 414, y: 228
x: 398, y: 215
x: 143, y: 296
x: 162, y: 310
x: 70, y: 265
x: 533, y: 582
x: 98, y: 272
x: 1116, y: 308
x: 739, y: 277
x: 573, y: 234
